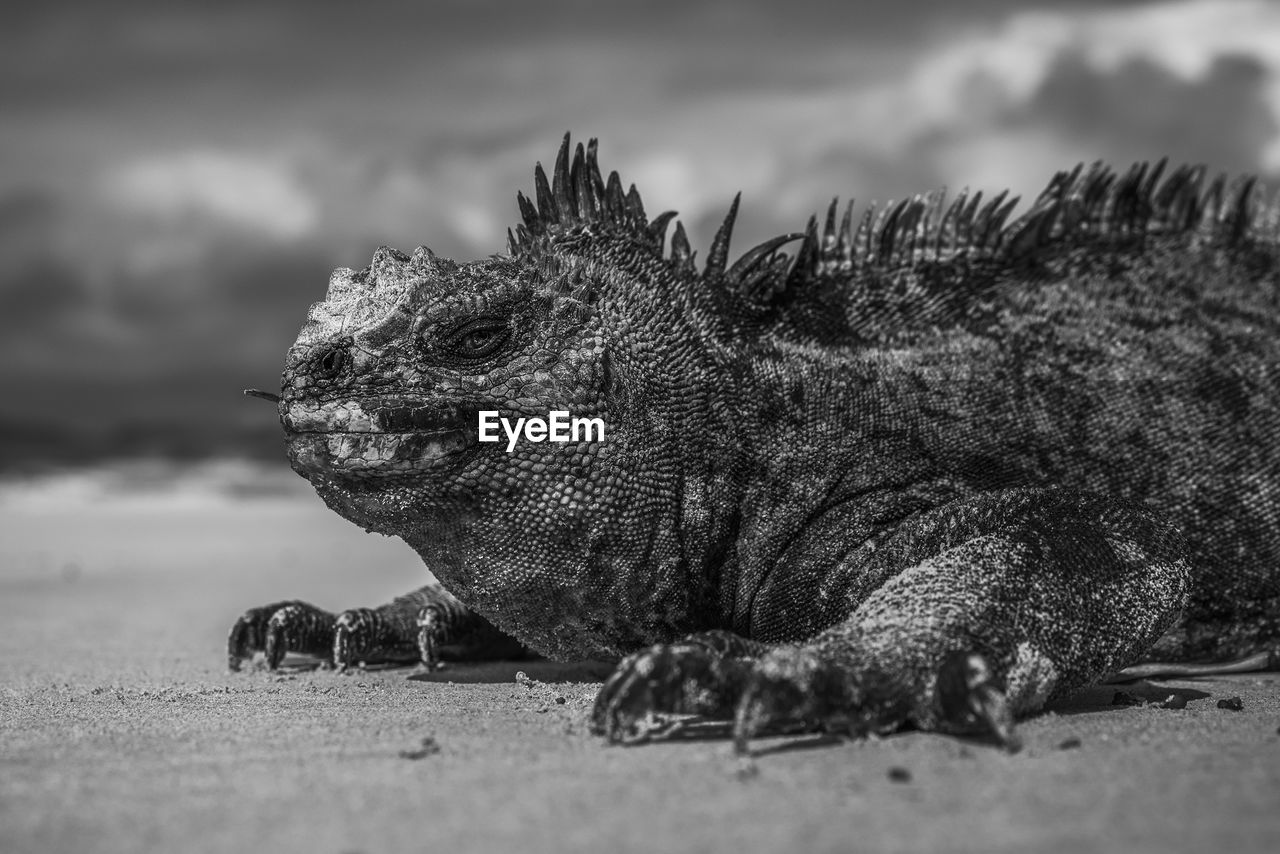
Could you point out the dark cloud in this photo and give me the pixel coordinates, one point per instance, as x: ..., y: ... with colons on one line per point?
x: 158, y: 366
x: 1141, y: 111
x: 35, y: 291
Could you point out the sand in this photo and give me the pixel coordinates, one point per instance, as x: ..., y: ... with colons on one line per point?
x: 121, y: 730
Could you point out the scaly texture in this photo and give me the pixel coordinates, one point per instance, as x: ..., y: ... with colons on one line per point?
x: 862, y: 461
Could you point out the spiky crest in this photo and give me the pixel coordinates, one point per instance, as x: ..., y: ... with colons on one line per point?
x: 718, y: 255
x: 1092, y: 205
x: 578, y: 195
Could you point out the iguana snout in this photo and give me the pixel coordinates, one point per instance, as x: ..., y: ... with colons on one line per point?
x: 377, y: 435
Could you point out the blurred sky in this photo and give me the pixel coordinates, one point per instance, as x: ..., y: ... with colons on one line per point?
x: 176, y: 180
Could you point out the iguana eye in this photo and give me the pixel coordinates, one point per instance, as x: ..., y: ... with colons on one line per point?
x: 479, y: 339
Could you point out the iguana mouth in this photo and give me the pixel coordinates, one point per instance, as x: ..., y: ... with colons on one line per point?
x: 376, y: 415
x: 377, y: 435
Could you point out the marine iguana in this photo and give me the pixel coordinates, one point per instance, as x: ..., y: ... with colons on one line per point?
x: 935, y: 468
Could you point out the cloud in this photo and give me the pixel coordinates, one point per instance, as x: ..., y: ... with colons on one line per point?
x: 251, y: 192
x: 1016, y: 55
x: 985, y: 102
x: 1140, y: 109
x: 1177, y: 46
x: 998, y: 103
x: 149, y: 365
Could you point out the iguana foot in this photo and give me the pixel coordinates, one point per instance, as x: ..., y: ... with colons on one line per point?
x: 279, y: 628
x: 801, y: 688
x: 790, y: 689
x: 700, y: 675
x: 423, y: 626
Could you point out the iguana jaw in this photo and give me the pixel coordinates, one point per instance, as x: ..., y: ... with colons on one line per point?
x: 377, y: 436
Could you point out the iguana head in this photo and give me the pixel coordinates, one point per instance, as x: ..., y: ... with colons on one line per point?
x: 383, y: 389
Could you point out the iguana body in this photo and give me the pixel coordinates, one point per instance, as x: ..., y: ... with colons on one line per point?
x: 899, y: 437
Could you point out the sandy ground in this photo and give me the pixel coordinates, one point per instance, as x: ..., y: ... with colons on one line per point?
x: 120, y: 729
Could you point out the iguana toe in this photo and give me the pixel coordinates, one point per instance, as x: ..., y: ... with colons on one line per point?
x: 446, y: 632
x: 971, y: 698
x: 666, y: 679
x: 796, y: 689
x: 300, y: 628
x: 248, y: 635
x: 371, y: 635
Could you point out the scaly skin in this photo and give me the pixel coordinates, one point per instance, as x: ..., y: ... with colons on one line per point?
x: 933, y: 469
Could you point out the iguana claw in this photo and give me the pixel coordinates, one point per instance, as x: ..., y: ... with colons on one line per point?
x: 969, y: 698
x: 253, y: 632
x: 301, y: 628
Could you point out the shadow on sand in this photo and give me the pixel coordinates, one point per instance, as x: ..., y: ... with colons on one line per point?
x: 1103, y: 698
x: 541, y: 669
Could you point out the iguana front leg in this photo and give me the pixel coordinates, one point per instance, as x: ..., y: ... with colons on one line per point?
x: 1002, y: 602
x: 426, y: 626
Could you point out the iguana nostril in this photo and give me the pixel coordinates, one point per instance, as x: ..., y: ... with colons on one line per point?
x: 332, y: 362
